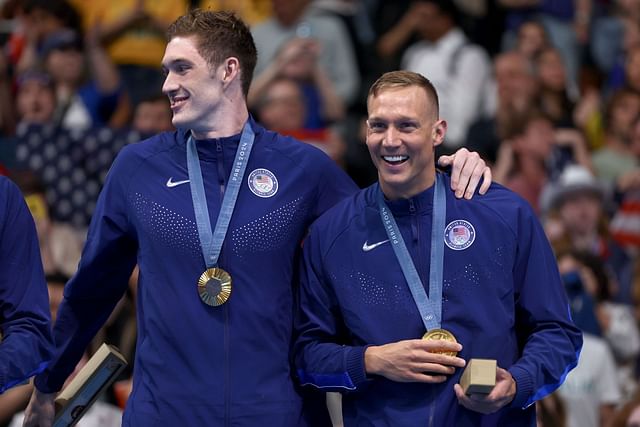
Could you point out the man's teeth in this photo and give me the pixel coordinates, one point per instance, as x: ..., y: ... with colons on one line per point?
x: 395, y: 159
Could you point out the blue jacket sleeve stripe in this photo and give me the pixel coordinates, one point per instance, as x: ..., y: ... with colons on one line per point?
x: 342, y: 380
x: 550, y: 388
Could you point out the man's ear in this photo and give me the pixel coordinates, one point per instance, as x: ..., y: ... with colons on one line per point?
x: 438, y: 132
x: 229, y: 70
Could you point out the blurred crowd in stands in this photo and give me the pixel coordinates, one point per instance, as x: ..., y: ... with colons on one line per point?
x: 548, y: 91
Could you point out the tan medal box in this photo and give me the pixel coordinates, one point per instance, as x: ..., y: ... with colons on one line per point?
x: 99, y: 372
x: 479, y: 376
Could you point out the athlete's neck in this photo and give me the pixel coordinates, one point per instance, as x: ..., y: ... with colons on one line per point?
x: 224, y: 126
x: 406, y: 191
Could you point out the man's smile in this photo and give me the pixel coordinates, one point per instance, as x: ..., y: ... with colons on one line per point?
x: 395, y: 160
x: 178, y: 100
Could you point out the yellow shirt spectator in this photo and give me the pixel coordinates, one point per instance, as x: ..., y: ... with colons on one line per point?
x: 134, y: 29
x: 251, y: 11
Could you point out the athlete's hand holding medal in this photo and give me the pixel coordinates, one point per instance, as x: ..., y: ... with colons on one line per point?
x: 426, y: 360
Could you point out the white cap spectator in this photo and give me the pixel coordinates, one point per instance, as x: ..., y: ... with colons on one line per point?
x: 575, y: 180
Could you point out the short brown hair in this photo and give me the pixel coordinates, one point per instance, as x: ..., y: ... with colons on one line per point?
x: 219, y: 35
x: 402, y: 79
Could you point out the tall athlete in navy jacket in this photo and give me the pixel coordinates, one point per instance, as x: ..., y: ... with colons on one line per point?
x: 500, y: 295
x: 198, y: 363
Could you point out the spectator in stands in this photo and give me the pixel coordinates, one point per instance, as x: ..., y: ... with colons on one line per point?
x: 281, y: 108
x: 521, y: 163
x: 565, y: 21
x: 615, y: 38
x: 554, y: 96
x: 397, y: 26
x: 36, y: 21
x: 459, y: 69
x: 70, y: 164
x: 152, y: 115
x: 535, y: 154
x: 631, y: 69
x: 291, y: 20
x: 251, y: 11
x: 35, y: 99
x: 81, y: 104
x: 516, y: 90
x: 61, y: 142
x: 616, y: 158
x: 60, y: 243
x: 532, y: 39
x: 616, y: 321
x: 579, y: 200
x: 132, y: 31
x: 298, y: 61
x: 591, y: 390
x: 34, y: 104
x: 625, y: 220
x: 356, y: 17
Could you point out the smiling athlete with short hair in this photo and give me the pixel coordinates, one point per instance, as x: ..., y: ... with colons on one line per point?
x: 478, y: 275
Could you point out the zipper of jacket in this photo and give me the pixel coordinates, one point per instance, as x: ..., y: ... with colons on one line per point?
x: 424, y: 278
x: 422, y: 245
x: 220, y: 163
x: 225, y: 307
x: 432, y: 406
x: 415, y: 239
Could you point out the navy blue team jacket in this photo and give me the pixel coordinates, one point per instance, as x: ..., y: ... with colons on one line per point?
x: 25, y: 320
x: 502, y: 298
x: 197, y: 365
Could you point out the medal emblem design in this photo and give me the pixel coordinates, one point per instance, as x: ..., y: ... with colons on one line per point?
x: 459, y: 235
x: 263, y: 183
x: 214, y: 286
x: 441, y: 335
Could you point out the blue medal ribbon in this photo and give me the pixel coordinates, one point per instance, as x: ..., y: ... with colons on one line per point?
x: 211, y: 242
x: 430, y: 307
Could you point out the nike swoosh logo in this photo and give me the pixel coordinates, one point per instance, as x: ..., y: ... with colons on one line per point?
x: 366, y: 247
x: 172, y: 184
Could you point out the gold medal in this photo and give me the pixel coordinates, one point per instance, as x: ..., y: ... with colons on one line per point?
x: 441, y: 335
x: 214, y: 286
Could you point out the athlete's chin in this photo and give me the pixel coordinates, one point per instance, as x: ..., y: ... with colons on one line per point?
x: 394, y: 179
x: 180, y: 121
x: 393, y: 186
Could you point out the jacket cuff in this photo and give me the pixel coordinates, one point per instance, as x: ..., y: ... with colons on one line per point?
x: 41, y: 383
x: 354, y: 361
x: 524, y: 386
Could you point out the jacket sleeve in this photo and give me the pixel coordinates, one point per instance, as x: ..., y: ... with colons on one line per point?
x: 108, y: 258
x: 549, y: 339
x: 321, y: 358
x: 25, y: 320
